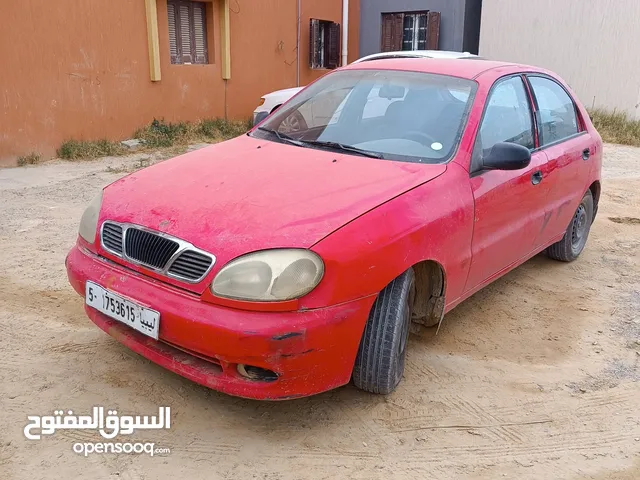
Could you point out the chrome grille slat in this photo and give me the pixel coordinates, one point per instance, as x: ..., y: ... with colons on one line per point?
x: 155, y: 250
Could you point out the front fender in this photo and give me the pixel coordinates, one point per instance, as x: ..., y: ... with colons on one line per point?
x: 433, y: 221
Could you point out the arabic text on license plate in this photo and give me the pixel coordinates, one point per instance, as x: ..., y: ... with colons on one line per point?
x: 113, y: 305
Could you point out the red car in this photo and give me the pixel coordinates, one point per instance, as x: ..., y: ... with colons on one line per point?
x: 277, y: 265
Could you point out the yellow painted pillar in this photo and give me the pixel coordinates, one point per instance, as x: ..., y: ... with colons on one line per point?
x: 154, y: 42
x: 225, y: 39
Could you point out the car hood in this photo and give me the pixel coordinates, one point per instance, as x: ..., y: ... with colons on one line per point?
x: 248, y: 194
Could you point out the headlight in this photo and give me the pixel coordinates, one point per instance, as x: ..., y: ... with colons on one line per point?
x: 269, y: 276
x: 89, y: 220
x: 262, y: 100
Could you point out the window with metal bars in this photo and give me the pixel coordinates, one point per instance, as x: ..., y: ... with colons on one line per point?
x: 410, y: 31
x: 187, y: 32
x: 414, y: 35
x: 324, y: 44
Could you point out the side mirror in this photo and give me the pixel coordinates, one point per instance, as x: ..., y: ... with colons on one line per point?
x: 507, y: 156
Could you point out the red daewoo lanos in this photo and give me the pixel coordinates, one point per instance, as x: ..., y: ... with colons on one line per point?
x: 286, y: 262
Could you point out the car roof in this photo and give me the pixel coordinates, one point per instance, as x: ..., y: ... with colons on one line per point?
x: 416, y: 54
x: 463, y: 68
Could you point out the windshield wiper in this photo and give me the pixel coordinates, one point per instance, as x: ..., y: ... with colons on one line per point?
x: 283, y: 137
x: 345, y: 148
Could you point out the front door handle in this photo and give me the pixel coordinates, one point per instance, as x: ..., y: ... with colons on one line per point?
x: 586, y: 153
x: 536, y: 177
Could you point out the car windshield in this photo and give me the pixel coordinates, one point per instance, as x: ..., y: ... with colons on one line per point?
x: 387, y: 114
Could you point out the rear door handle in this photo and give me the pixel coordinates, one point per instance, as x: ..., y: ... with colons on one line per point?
x: 586, y: 153
x: 536, y: 177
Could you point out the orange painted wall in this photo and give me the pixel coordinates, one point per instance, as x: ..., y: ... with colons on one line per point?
x: 80, y: 68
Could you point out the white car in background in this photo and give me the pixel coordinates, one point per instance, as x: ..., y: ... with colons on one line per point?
x: 272, y: 101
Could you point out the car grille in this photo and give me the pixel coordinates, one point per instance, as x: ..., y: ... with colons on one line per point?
x: 112, y: 237
x: 190, y: 265
x: 171, y: 257
x: 148, y: 248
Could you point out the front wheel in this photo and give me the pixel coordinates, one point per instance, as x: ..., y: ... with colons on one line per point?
x: 575, y: 238
x: 381, y: 357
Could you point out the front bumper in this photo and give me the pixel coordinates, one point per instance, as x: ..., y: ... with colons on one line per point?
x: 311, y: 351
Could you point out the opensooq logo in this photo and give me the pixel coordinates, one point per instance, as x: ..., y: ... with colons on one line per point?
x: 110, y: 425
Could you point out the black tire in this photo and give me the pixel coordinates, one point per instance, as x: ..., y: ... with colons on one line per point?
x: 575, y: 238
x: 381, y: 357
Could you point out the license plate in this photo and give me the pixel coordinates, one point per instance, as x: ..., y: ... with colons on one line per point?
x: 130, y: 313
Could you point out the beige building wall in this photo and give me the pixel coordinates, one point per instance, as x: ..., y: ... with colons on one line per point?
x: 593, y: 44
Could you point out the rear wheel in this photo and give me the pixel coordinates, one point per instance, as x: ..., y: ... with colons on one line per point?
x: 575, y: 238
x: 381, y: 357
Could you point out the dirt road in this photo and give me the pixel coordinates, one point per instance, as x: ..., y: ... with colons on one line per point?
x: 535, y: 377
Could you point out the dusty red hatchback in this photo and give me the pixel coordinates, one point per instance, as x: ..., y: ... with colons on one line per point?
x: 282, y: 264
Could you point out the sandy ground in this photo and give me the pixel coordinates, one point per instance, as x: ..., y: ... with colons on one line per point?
x: 537, y: 376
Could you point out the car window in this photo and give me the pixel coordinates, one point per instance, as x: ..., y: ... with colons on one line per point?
x: 507, y: 118
x: 461, y: 95
x: 320, y: 110
x: 378, y: 102
x: 376, y: 105
x: 557, y: 112
x: 398, y: 115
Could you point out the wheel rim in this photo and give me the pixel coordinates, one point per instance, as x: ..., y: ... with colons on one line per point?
x: 579, y: 229
x: 290, y: 124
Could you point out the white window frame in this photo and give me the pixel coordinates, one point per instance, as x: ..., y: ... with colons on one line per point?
x: 415, y: 41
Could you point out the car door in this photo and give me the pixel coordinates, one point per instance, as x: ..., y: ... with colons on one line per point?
x: 509, y: 205
x: 568, y: 147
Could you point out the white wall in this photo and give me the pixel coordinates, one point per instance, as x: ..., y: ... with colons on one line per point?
x: 593, y: 44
